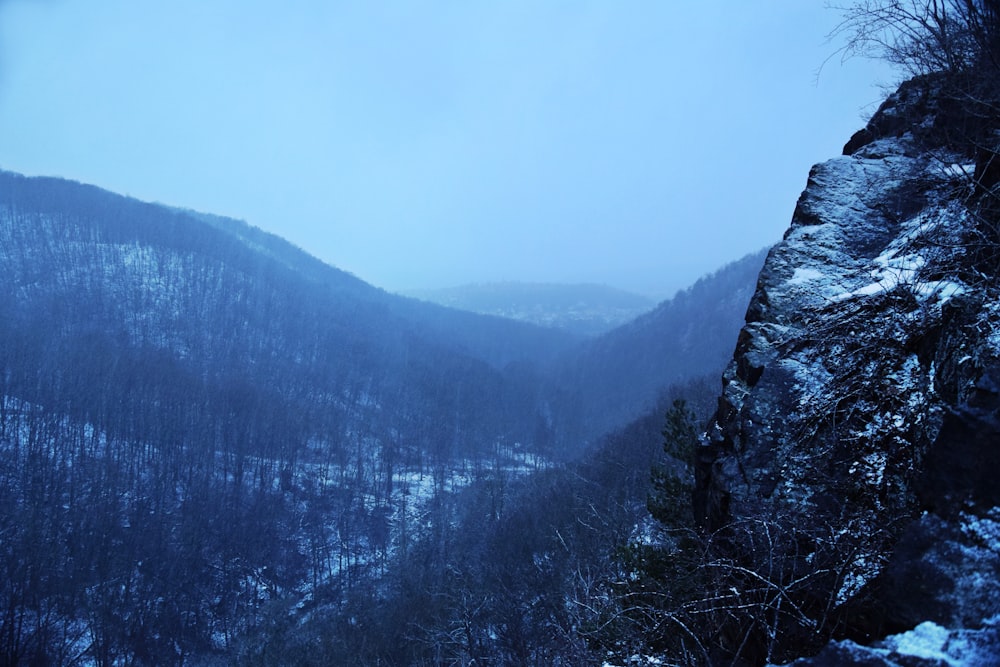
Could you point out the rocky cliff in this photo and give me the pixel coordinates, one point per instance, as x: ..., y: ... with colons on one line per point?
x: 860, y: 416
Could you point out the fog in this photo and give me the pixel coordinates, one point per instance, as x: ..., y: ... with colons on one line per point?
x: 639, y: 144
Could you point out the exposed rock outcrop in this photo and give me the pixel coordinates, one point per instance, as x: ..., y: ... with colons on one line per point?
x: 863, y: 402
x: 926, y: 645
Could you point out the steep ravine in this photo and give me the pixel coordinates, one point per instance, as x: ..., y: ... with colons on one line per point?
x: 861, y: 411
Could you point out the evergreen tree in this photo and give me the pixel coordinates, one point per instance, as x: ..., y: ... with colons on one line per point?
x: 669, y: 502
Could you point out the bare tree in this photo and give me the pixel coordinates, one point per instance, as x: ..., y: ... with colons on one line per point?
x: 923, y: 36
x: 950, y: 49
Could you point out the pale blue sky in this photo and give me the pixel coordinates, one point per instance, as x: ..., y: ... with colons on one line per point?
x: 639, y: 143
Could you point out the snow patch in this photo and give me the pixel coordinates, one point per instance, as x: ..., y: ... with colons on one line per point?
x: 805, y: 275
x: 928, y: 641
x: 984, y: 529
x: 956, y: 170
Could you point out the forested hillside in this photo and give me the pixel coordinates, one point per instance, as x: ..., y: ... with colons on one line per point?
x: 216, y: 449
x: 202, y: 427
x: 623, y: 372
x: 530, y: 573
x: 192, y: 426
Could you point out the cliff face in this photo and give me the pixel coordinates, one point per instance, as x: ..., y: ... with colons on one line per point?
x: 862, y: 405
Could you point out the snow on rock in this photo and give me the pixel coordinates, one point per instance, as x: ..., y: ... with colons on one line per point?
x: 927, y: 645
x: 840, y: 307
x: 635, y: 660
x: 945, y: 570
x: 862, y: 405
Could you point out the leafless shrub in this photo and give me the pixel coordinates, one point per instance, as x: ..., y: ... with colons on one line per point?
x: 759, y: 590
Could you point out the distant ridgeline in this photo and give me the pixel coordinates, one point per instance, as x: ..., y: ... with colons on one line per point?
x: 201, y: 424
x: 584, y: 309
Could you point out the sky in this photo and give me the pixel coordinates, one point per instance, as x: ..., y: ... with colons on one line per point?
x: 634, y: 143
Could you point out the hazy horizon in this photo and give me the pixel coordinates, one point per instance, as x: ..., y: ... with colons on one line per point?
x: 639, y: 145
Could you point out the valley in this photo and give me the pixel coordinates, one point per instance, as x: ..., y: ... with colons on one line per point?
x: 218, y: 449
x: 202, y: 427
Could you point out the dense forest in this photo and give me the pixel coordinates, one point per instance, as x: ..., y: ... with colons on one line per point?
x: 207, y: 434
x: 215, y: 449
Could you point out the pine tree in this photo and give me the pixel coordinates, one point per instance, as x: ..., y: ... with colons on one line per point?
x: 669, y: 502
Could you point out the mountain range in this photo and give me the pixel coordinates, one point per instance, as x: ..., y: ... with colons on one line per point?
x: 190, y: 403
x: 216, y: 449
x: 584, y: 309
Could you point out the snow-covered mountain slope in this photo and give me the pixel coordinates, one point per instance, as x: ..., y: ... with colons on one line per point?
x: 198, y: 422
x: 204, y: 431
x: 860, y: 411
x: 85, y: 272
